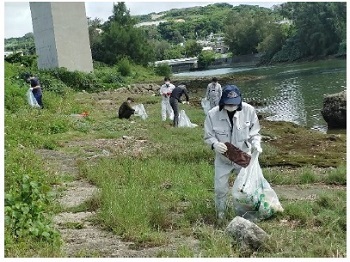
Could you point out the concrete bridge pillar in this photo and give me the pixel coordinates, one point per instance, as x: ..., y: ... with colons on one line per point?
x: 61, y: 35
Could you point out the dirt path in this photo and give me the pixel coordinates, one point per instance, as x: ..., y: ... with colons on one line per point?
x: 83, y: 238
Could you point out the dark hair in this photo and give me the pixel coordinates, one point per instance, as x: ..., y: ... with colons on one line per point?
x: 214, y: 79
x: 166, y: 78
x: 129, y: 98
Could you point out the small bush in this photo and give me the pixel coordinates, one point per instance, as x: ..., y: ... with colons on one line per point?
x: 205, y: 59
x: 337, y: 176
x: 124, y: 67
x: 163, y: 70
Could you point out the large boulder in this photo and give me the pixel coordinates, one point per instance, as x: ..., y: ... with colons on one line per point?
x: 334, y: 110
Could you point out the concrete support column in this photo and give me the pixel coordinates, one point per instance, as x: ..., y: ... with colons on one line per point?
x: 61, y: 35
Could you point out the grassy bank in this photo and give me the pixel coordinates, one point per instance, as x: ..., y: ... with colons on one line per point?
x: 157, y: 181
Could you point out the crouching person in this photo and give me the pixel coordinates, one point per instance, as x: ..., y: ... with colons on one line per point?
x: 125, y: 110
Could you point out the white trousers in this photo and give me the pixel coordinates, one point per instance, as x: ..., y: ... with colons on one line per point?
x: 166, y: 109
x: 221, y: 185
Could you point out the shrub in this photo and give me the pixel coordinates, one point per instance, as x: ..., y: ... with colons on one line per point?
x: 14, y: 96
x: 26, y: 60
x: 124, y: 67
x: 163, y: 70
x: 342, y: 49
x: 24, y: 211
x: 205, y: 59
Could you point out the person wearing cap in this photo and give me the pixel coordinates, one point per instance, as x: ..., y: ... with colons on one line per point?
x: 214, y: 92
x: 175, y: 98
x: 165, y: 92
x: 125, y: 110
x: 231, y: 121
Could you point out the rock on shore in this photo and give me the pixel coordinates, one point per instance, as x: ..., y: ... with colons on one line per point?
x: 334, y: 110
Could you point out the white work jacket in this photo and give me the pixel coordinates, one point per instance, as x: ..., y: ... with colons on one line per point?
x: 214, y: 91
x: 165, y: 90
x: 243, y: 133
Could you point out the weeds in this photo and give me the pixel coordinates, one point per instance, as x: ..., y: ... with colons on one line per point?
x: 161, y: 185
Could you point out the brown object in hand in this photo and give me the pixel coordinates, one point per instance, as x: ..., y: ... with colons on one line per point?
x: 236, y: 155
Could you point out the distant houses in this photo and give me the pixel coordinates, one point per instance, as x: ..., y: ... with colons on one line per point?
x: 7, y: 53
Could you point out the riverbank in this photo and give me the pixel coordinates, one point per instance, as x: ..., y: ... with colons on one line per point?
x: 128, y: 162
x: 115, y: 197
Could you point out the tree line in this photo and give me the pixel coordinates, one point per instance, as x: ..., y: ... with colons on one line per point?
x: 288, y: 32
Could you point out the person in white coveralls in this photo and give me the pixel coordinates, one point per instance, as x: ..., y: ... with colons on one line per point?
x: 214, y: 92
x: 165, y: 92
x: 231, y: 121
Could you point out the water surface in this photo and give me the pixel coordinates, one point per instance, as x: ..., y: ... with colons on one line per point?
x: 291, y: 92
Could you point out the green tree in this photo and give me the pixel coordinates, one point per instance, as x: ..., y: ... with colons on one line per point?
x: 121, y: 39
x: 246, y: 29
x: 174, y: 52
x: 319, y: 26
x: 192, y: 48
x: 205, y: 59
x: 273, y: 41
x: 169, y: 32
x: 160, y: 49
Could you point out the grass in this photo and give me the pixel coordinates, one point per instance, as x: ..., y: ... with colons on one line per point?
x: 159, y: 180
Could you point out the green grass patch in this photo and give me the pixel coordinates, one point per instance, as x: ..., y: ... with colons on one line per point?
x: 158, y: 180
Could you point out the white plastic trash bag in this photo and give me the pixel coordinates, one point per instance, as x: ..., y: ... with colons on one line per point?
x: 184, y: 121
x: 253, y: 197
x: 205, y: 105
x: 140, y: 111
x: 31, y: 99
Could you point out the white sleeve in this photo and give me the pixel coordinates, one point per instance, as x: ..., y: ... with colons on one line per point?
x: 209, y: 135
x: 254, y: 135
x: 208, y: 89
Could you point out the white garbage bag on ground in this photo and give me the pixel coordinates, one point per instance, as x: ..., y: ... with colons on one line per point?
x: 140, y: 111
x: 184, y: 121
x: 31, y: 99
x: 205, y: 105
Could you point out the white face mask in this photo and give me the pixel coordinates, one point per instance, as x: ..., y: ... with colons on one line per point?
x: 167, y: 83
x: 231, y: 108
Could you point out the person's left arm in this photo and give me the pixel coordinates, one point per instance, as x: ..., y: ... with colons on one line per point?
x: 220, y: 90
x: 186, y: 95
x: 35, y: 81
x: 254, y: 131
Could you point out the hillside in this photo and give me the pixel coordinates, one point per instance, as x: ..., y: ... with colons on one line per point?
x: 215, y: 12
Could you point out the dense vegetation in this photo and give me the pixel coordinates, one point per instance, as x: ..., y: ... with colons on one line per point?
x: 139, y: 199
x: 29, y: 202
x: 287, y: 32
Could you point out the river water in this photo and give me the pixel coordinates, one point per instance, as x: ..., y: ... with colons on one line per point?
x: 291, y: 92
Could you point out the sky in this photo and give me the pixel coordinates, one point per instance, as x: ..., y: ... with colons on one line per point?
x: 17, y: 16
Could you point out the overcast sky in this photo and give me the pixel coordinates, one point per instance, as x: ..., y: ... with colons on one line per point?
x: 17, y: 16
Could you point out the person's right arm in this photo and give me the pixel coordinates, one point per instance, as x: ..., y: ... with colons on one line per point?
x: 164, y: 91
x: 209, y: 135
x: 129, y: 108
x: 210, y: 138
